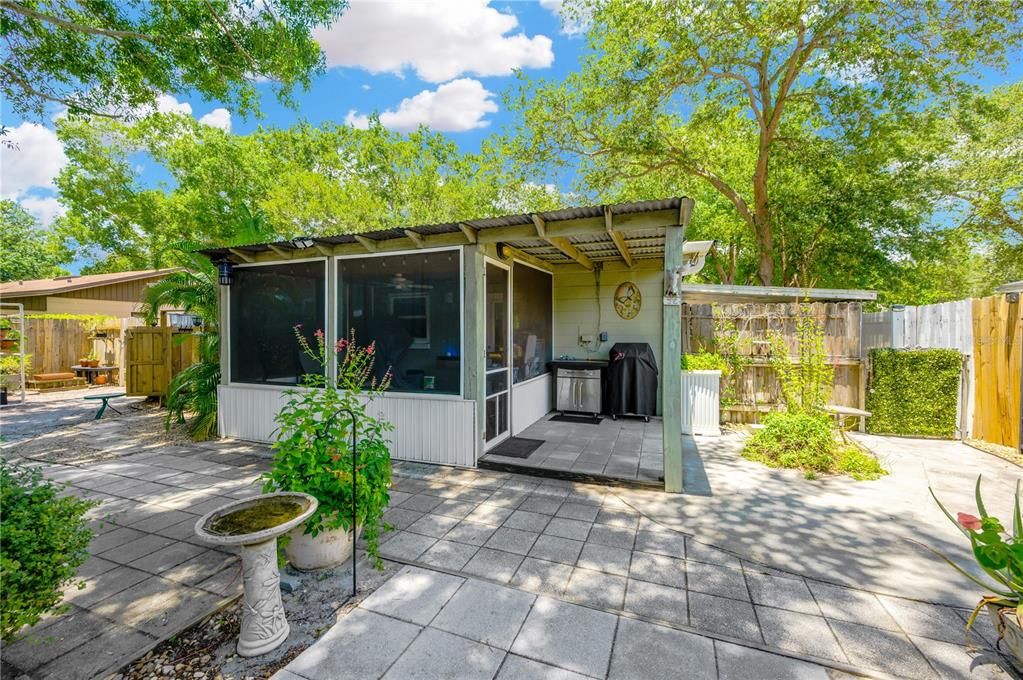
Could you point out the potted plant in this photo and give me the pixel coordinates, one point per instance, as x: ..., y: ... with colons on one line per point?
x: 84, y: 362
x: 92, y: 359
x: 9, y: 337
x: 10, y: 366
x: 999, y: 553
x: 313, y: 454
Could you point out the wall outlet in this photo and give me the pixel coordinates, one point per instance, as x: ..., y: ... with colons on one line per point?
x: 603, y: 336
x: 585, y: 339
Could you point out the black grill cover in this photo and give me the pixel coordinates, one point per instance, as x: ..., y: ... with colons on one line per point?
x: 631, y: 379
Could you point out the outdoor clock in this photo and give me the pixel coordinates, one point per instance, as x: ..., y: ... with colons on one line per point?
x: 628, y: 300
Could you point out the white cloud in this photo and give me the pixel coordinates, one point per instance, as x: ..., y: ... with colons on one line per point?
x: 570, y: 25
x: 439, y: 40
x: 218, y: 118
x: 45, y: 208
x: 35, y: 161
x: 453, y: 107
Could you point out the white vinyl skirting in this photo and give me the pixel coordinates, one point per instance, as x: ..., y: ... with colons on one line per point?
x: 701, y: 402
x: 428, y: 430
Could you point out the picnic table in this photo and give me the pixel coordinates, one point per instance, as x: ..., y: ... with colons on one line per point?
x: 90, y: 372
x: 106, y: 402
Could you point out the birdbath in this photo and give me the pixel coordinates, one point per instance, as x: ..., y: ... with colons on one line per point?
x: 253, y: 525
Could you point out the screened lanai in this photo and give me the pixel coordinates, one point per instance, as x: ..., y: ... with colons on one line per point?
x: 470, y: 316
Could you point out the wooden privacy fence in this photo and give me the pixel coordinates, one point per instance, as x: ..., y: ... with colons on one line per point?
x: 58, y: 344
x: 987, y: 331
x: 997, y: 350
x: 155, y: 355
x: 757, y: 389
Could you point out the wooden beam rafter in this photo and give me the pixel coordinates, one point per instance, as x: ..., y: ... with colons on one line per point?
x: 517, y: 254
x: 570, y: 251
x: 470, y: 232
x: 241, y: 255
x: 541, y: 226
x: 323, y: 249
x: 618, y: 239
x: 367, y: 243
x: 416, y: 238
x: 280, y: 252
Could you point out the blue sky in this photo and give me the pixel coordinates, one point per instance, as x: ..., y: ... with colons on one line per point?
x: 442, y: 63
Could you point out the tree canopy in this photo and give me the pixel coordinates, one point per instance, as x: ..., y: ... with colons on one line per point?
x: 798, y: 124
x: 304, y: 180
x: 26, y: 252
x: 115, y: 57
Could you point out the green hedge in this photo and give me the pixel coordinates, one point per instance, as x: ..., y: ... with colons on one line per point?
x: 914, y: 392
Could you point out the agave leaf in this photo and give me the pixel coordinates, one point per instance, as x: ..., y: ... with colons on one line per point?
x: 948, y: 514
x: 980, y: 501
x: 985, y: 586
x: 1017, y: 521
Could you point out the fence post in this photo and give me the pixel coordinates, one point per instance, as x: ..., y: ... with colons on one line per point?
x: 898, y: 331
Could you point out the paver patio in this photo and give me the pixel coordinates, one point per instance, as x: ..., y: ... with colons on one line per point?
x: 427, y: 624
x: 510, y: 539
x: 147, y: 576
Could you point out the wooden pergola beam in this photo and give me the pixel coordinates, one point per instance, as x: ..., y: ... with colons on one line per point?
x: 415, y: 238
x: 517, y: 254
x: 470, y: 232
x: 570, y: 251
x: 281, y: 252
x: 618, y: 239
x: 323, y: 249
x: 367, y: 243
x: 241, y: 255
x: 541, y: 226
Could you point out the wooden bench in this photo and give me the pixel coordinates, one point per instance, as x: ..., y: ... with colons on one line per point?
x: 45, y: 383
x: 840, y: 412
x: 106, y: 402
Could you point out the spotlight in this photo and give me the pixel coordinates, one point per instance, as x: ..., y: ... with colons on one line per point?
x: 301, y: 243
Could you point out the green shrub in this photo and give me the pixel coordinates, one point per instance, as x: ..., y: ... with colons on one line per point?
x: 858, y: 464
x: 43, y: 541
x: 705, y: 361
x: 794, y: 440
x: 914, y: 392
x: 806, y: 442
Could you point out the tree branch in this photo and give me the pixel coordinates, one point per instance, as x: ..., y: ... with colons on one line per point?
x: 72, y: 26
x: 27, y: 87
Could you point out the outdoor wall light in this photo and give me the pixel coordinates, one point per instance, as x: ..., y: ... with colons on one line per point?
x: 224, y: 269
x: 301, y: 243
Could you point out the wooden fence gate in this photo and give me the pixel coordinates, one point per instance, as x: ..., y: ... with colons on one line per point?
x: 155, y: 355
x: 997, y: 351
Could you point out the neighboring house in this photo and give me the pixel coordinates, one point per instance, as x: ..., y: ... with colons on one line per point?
x: 118, y: 294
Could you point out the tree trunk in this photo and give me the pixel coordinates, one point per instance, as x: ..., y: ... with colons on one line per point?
x: 762, y: 216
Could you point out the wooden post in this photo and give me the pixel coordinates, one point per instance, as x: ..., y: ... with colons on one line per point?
x: 671, y: 358
x: 224, y: 328
x: 474, y: 339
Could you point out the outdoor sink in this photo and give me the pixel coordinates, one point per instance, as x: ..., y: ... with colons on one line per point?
x: 253, y: 525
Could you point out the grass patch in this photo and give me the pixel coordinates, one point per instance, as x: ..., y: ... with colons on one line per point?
x: 806, y: 442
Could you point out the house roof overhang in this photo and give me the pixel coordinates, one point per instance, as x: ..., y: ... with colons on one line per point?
x: 66, y: 284
x: 571, y: 236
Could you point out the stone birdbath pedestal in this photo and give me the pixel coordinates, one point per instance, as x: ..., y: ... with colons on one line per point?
x: 252, y: 525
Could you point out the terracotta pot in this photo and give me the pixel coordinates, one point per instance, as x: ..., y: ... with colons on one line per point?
x: 8, y: 343
x: 1009, y: 631
x: 94, y: 363
x: 328, y: 549
x: 101, y: 379
x: 3, y: 333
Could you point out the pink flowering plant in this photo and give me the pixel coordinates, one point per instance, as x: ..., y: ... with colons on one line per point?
x: 998, y: 552
x: 313, y: 452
